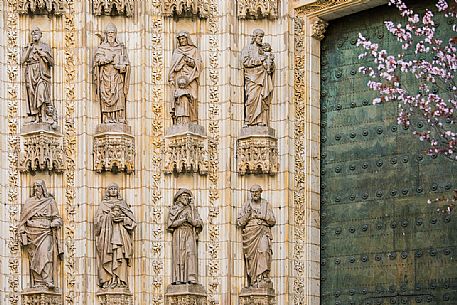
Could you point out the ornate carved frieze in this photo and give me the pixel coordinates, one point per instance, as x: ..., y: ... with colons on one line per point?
x: 185, y: 150
x: 184, y: 8
x: 320, y: 5
x: 113, y: 7
x: 257, y: 296
x: 39, y: 7
x: 318, y: 30
x: 257, y: 151
x: 117, y: 296
x: 35, y: 296
x: 114, y: 149
x: 257, y: 9
x: 43, y: 149
x: 186, y: 294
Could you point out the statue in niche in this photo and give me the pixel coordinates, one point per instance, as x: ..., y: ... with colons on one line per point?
x: 185, y: 224
x: 114, y: 226
x: 40, y: 236
x: 256, y: 219
x: 186, y: 66
x: 111, y: 77
x: 258, y: 63
x: 37, y: 61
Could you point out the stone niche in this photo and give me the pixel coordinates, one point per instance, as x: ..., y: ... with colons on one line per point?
x: 42, y: 149
x: 116, y: 296
x: 248, y: 9
x: 186, y: 8
x: 41, y: 296
x: 257, y: 151
x: 185, y: 149
x: 114, y: 148
x: 40, y: 7
x: 257, y: 296
x: 113, y: 7
x: 185, y: 294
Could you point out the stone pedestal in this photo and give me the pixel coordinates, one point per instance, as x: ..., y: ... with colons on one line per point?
x: 257, y: 296
x: 114, y: 148
x: 185, y: 294
x: 185, y: 149
x: 41, y: 296
x: 115, y: 296
x: 42, y: 149
x: 257, y: 151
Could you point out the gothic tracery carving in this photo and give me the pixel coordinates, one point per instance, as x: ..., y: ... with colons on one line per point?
x: 113, y: 7
x: 182, y: 8
x: 257, y: 9
x: 38, y: 7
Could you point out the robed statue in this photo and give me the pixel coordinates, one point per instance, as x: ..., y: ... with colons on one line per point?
x: 111, y: 77
x: 256, y: 219
x: 37, y: 61
x: 114, y: 226
x: 186, y: 66
x: 185, y: 224
x: 258, y: 63
x: 40, y: 236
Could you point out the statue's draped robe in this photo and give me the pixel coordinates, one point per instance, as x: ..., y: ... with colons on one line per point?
x: 113, y: 241
x: 258, y: 86
x: 184, y: 244
x: 111, y: 82
x: 43, y: 242
x: 37, y: 74
x: 257, y: 237
x: 181, y: 108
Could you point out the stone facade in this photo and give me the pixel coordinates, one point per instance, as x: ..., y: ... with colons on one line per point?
x: 148, y: 171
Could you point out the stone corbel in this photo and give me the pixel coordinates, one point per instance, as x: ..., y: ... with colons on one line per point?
x: 32, y: 296
x: 248, y: 9
x: 39, y: 7
x: 318, y: 29
x: 113, y: 7
x: 186, y: 8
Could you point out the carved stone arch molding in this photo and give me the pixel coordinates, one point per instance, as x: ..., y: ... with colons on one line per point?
x: 186, y: 8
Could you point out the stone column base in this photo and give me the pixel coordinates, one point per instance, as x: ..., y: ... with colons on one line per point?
x: 185, y: 149
x: 114, y: 148
x: 41, y: 296
x: 185, y: 294
x: 257, y: 296
x: 115, y: 296
x: 43, y: 149
x: 257, y: 151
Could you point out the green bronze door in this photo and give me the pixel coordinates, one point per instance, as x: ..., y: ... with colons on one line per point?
x: 381, y: 242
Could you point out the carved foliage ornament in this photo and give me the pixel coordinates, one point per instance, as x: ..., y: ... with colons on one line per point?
x: 257, y: 9
x: 113, y: 7
x: 319, y: 27
x: 182, y: 8
x: 38, y: 7
x: 320, y: 5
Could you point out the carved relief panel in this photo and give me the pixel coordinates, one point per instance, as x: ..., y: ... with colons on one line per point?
x: 257, y: 9
x: 113, y: 7
x: 183, y: 8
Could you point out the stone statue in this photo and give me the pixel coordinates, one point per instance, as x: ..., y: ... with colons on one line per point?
x: 40, y: 236
x: 37, y: 61
x: 256, y: 219
x: 114, y: 225
x: 111, y: 77
x: 185, y: 224
x: 186, y: 66
x: 258, y: 63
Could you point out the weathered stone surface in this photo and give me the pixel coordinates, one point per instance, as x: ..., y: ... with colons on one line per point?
x: 186, y: 8
x: 40, y: 296
x: 257, y: 9
x: 43, y: 149
x: 113, y: 7
x: 257, y: 296
x: 115, y: 296
x: 39, y: 7
x: 185, y: 294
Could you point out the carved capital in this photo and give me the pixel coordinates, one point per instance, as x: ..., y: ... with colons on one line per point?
x: 39, y: 7
x: 114, y: 149
x: 33, y: 296
x: 248, y: 9
x: 185, y: 150
x: 113, y: 7
x: 185, y: 8
x: 43, y: 149
x: 319, y: 28
x: 257, y: 151
x: 117, y: 296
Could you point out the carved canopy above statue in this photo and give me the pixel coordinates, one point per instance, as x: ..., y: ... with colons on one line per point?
x: 183, y: 8
x: 257, y: 9
x: 113, y: 7
x: 38, y: 7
